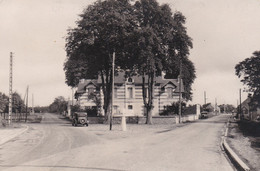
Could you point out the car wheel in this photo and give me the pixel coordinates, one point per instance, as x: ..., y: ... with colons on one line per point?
x: 82, y: 121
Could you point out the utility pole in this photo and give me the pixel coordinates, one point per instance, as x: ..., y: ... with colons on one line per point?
x: 26, y: 107
x: 216, y: 106
x: 180, y: 63
x: 32, y: 105
x: 10, y: 89
x: 112, y: 100
x: 72, y: 96
x: 240, y: 107
x: 205, y: 98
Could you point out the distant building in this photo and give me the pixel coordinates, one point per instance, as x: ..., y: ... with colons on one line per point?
x: 248, y: 111
x: 128, y: 96
x: 208, y: 107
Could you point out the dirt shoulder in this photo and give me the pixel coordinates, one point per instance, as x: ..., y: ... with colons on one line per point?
x: 245, y: 142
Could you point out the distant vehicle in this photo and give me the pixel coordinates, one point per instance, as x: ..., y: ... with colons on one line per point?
x: 80, y: 118
x: 203, y: 115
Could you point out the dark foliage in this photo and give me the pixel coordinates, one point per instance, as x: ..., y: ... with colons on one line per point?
x: 249, y: 72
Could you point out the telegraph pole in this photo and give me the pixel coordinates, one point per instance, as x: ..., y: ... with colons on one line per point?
x: 240, y: 107
x: 180, y: 63
x: 205, y: 98
x: 10, y: 88
x: 72, y: 96
x: 26, y: 107
x: 216, y: 106
x: 32, y: 105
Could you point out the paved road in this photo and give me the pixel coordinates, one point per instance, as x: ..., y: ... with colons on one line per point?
x: 56, y: 145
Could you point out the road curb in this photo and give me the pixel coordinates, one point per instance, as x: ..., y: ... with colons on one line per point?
x: 12, y: 136
x: 238, y: 163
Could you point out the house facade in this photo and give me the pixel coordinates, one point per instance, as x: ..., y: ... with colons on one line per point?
x: 128, y: 97
x: 248, y: 112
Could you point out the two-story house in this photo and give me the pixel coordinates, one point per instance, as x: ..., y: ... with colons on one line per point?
x: 128, y: 98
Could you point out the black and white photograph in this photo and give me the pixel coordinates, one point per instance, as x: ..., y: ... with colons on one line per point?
x: 130, y: 85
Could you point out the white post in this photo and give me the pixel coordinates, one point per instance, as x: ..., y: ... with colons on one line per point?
x: 197, y: 111
x: 123, y: 121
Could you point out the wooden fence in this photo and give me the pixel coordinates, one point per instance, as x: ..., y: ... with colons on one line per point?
x: 15, y: 116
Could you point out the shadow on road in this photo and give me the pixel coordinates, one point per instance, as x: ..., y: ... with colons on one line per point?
x: 65, y: 167
x: 210, y: 121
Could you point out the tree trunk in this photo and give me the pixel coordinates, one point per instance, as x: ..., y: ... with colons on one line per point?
x: 149, y: 116
x: 148, y: 104
x: 106, y: 87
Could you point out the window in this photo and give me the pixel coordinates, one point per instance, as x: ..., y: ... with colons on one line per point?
x: 90, y: 90
x: 115, y: 93
x: 170, y: 92
x: 116, y: 109
x: 130, y: 80
x: 130, y: 107
x: 130, y: 92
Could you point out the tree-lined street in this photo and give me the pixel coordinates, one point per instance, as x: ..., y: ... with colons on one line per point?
x: 55, y: 145
x: 146, y: 60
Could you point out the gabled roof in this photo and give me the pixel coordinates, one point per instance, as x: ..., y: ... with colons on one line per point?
x: 120, y: 78
x: 83, y: 84
x: 245, y: 104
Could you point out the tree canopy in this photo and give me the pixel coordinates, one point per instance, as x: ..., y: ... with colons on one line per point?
x: 146, y: 38
x: 162, y: 44
x: 17, y: 103
x: 102, y: 30
x: 59, y: 105
x: 3, y: 102
x: 249, y: 72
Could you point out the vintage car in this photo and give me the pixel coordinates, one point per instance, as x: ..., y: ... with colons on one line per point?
x: 80, y: 118
x: 203, y: 115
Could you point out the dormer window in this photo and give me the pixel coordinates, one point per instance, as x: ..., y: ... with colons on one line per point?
x: 163, y: 90
x: 90, y: 90
x: 130, y: 80
x: 169, y: 92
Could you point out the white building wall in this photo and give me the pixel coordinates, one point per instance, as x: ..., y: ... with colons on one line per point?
x: 122, y: 102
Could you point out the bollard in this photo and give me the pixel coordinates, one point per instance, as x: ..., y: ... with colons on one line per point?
x: 123, y: 123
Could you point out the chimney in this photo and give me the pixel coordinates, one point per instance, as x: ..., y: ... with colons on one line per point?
x: 82, y: 80
x: 163, y: 75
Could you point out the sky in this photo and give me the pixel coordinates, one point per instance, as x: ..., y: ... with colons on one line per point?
x: 224, y: 33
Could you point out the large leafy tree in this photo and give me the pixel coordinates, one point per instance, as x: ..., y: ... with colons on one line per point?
x: 249, y: 72
x: 17, y: 103
x: 179, y: 63
x: 3, y: 102
x: 188, y: 75
x: 101, y: 32
x: 228, y: 108
x: 162, y: 43
x: 146, y: 38
x: 59, y: 105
